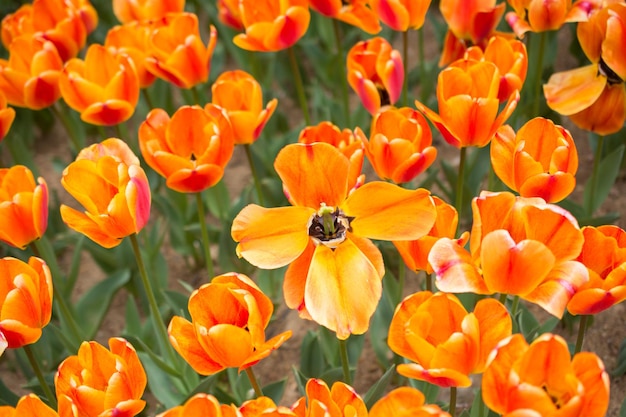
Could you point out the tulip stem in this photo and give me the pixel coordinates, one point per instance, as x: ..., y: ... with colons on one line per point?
x: 422, y: 67
x: 299, y: 85
x: 452, y: 408
x: 206, y: 243
x: 254, y: 382
x: 344, y: 77
x: 39, y: 374
x: 345, y: 362
x: 196, y: 95
x: 255, y: 175
x: 59, y: 114
x: 460, y: 184
x: 429, y: 282
x: 593, y: 181
x: 582, y: 327
x: 155, y: 314
x: 401, y: 278
x: 147, y: 98
x: 539, y: 74
x: 405, y: 63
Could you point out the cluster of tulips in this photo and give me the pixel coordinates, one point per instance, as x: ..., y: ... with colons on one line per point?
x: 327, y: 235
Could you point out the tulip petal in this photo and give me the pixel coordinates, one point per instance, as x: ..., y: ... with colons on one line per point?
x: 455, y: 269
x: 83, y: 224
x: 442, y: 377
x: 185, y: 340
x: 572, y: 91
x: 494, y: 324
x: 591, y: 372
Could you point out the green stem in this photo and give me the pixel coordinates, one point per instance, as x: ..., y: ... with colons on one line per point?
x: 593, y: 181
x: 39, y: 374
x: 460, y: 183
x: 155, y: 314
x: 539, y: 67
x: 502, y: 298
x: 299, y: 85
x: 103, y: 133
x: 405, y: 64
x: 253, y: 381
x: 344, y: 76
x: 148, y: 98
x: 255, y: 175
x: 452, y: 409
x: 422, y: 66
x: 582, y: 327
x: 196, y: 95
x: 515, y: 306
x: 77, y: 144
x: 429, y: 282
x: 401, y: 279
x: 206, y: 243
x: 345, y: 362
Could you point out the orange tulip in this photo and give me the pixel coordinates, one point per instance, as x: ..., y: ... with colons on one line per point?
x: 100, y: 381
x: 103, y: 88
x: 23, y: 206
x: 107, y: 180
x: 128, y: 11
x: 604, y: 255
x: 405, y: 402
x: 7, y: 115
x: 400, y: 142
x: 415, y: 252
x: 445, y: 342
x: 177, y: 53
x: 191, y: 149
x: 353, y: 12
x: 201, y: 405
x: 29, y: 405
x: 541, y: 379
x: 401, y: 15
x: 132, y: 39
x: 518, y: 246
x: 271, y: 25
x: 540, y: 161
x: 339, y: 401
x: 240, y: 95
x: 264, y: 406
x: 541, y: 16
x: 348, y: 142
x: 325, y: 235
x: 468, y: 96
x: 24, y: 284
x: 584, y: 94
x: 228, y: 13
x: 227, y: 328
x: 375, y: 73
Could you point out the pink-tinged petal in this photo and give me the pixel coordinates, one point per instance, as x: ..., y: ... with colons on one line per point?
x: 551, y: 187
x: 138, y: 196
x: 185, y: 340
x: 3, y: 343
x: 442, y: 377
x: 595, y: 300
x: 388, y: 212
x: 455, y: 270
x: 83, y: 224
x: 271, y: 238
x: 393, y: 76
x: 572, y: 91
x: 194, y: 180
x: 107, y: 113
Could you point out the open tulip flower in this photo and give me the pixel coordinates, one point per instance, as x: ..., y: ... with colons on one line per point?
x: 132, y: 39
x: 176, y: 52
x: 400, y: 146
x: 375, y: 73
x: 353, y: 12
x: 23, y: 206
x: 335, y: 271
x: 405, y: 402
x: 101, y: 382
x: 446, y: 343
x: 401, y: 15
x: 468, y: 94
x: 272, y: 25
x: 604, y: 255
x: 201, y: 405
x: 518, y: 246
x: 584, y: 94
x: 348, y: 142
x: 30, y: 78
x: 29, y: 405
x: 228, y: 13
x: 24, y: 284
x: 264, y: 406
x: 128, y: 11
x: 240, y: 95
x: 541, y: 379
x: 107, y: 180
x: 190, y: 149
x: 539, y: 16
x: 539, y: 161
x: 339, y: 401
x: 227, y: 328
x: 7, y: 115
x: 103, y: 88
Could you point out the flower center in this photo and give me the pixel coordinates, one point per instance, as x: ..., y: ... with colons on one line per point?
x: 611, y: 76
x: 329, y: 226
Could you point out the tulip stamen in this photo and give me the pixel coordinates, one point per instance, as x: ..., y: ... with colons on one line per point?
x: 611, y: 76
x: 329, y: 226
x: 385, y: 99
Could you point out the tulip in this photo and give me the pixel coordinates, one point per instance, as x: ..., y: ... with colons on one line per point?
x: 467, y: 94
x: 539, y: 16
x: 107, y: 180
x: 240, y: 95
x: 228, y: 13
x: 348, y: 142
x: 401, y: 15
x: 7, y: 115
x: 353, y: 12
x: 375, y: 73
x: 271, y: 25
x: 339, y: 401
x: 128, y: 11
x: 227, y: 328
x: 29, y: 405
x: 264, y: 406
x: 540, y: 161
x: 541, y: 379
x: 446, y: 343
x: 400, y: 142
x: 176, y: 52
x: 132, y: 39
x: 200, y: 405
x: 324, y: 235
x: 190, y: 149
x: 404, y: 402
x: 23, y: 206
x: 100, y: 381
x: 24, y: 284
x: 518, y: 246
x: 103, y: 88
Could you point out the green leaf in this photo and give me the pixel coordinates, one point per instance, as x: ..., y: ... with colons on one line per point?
x: 607, y: 174
x: 217, y: 200
x: 622, y: 410
x: 7, y: 397
x: 161, y: 385
x: 620, y: 366
x: 312, y: 361
x: 378, y: 388
x: 177, y: 302
x: 478, y: 405
x: 132, y: 323
x: 301, y: 380
x: 205, y: 385
x: 155, y: 359
x: 275, y: 390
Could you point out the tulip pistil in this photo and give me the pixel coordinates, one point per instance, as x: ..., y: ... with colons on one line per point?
x: 612, y: 77
x: 329, y: 226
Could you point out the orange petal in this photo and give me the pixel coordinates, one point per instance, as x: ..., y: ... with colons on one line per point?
x: 401, y: 401
x: 455, y: 269
x: 572, y: 91
x: 185, y: 340
x: 83, y: 224
x: 494, y: 324
x: 591, y: 372
x: 442, y: 377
